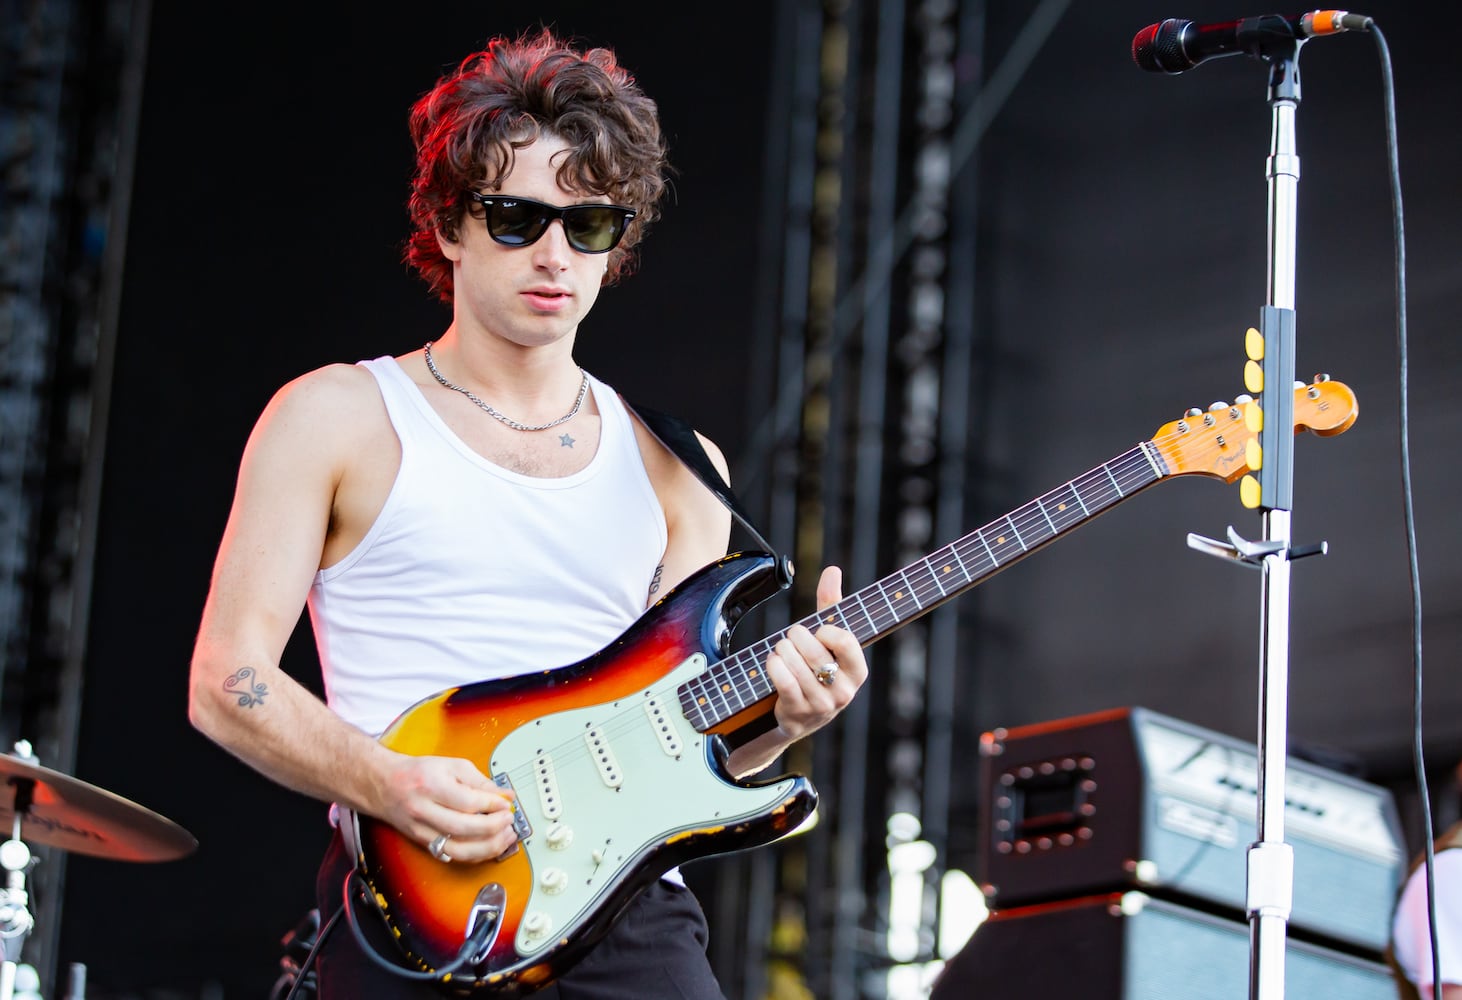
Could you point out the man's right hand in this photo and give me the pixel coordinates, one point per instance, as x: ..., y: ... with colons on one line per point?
x: 430, y: 797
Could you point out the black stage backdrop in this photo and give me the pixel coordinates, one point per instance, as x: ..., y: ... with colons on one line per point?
x: 1123, y: 254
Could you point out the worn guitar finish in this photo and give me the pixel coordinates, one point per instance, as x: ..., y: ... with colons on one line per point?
x: 617, y: 761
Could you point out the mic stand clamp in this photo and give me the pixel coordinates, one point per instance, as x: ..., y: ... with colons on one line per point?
x: 1252, y: 554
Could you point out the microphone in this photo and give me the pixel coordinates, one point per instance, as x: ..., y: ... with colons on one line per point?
x: 1175, y: 45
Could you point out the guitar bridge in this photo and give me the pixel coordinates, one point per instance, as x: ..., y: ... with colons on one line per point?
x: 521, y: 826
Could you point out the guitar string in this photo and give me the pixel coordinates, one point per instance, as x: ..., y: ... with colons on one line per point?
x: 1126, y: 472
x: 1129, y: 471
x: 1036, y: 521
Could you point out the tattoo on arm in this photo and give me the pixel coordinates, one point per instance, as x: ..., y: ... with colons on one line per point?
x: 251, y: 692
x: 655, y: 580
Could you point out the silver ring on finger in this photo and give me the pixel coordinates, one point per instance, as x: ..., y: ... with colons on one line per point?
x: 438, y: 848
x: 826, y: 674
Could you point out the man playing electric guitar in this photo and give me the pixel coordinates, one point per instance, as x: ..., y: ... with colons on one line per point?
x: 478, y: 509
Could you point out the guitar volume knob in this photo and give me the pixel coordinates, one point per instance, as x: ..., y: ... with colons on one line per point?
x: 537, y: 925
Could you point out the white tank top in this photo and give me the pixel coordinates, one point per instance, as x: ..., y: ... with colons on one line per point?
x: 473, y: 572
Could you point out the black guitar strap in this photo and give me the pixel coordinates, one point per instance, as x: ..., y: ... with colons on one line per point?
x: 680, y: 440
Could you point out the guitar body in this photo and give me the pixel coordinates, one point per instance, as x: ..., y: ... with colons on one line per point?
x: 614, y: 787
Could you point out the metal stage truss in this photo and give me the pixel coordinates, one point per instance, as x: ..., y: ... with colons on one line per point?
x: 864, y: 418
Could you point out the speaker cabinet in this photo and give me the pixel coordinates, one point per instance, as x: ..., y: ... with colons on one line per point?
x: 1130, y: 946
x: 1130, y: 799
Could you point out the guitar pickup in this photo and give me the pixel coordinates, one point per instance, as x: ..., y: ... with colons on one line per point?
x: 521, y: 826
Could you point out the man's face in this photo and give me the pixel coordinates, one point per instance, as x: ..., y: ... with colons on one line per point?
x: 530, y: 295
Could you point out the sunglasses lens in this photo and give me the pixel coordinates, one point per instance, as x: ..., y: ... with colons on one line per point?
x: 516, y: 223
x: 594, y: 228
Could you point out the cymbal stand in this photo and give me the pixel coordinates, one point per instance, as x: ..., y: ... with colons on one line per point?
x: 16, y: 920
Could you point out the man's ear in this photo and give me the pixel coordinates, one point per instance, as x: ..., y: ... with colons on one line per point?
x: 451, y: 249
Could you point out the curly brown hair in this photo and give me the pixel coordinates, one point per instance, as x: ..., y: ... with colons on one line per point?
x: 501, y: 99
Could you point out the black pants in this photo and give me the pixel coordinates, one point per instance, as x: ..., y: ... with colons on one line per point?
x: 657, y: 949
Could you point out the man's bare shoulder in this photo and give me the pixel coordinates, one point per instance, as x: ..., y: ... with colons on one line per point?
x: 336, y: 408
x: 337, y: 392
x: 718, y: 459
x: 669, y: 472
x: 698, y: 524
x: 330, y: 387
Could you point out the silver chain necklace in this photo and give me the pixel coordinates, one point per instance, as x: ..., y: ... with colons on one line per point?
x: 583, y: 391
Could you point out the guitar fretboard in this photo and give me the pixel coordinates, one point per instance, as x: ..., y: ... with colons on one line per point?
x: 739, y: 682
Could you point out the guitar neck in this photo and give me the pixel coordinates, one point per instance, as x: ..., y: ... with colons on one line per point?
x: 738, y: 684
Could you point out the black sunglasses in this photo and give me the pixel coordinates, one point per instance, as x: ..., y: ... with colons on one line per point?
x: 517, y: 222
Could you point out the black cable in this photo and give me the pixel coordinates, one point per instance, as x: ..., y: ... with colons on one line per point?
x: 478, y: 938
x: 1418, y: 754
x: 304, y: 968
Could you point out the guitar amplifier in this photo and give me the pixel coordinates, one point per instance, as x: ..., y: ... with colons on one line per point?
x: 1129, y: 946
x: 1130, y: 799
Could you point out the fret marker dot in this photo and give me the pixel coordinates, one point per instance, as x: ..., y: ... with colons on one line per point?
x: 725, y: 688
x: 948, y: 569
x: 701, y: 700
x: 752, y: 673
x: 899, y: 594
x: 1061, y: 506
x: 1000, y: 540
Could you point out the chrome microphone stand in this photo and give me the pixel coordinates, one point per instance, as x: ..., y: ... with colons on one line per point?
x: 1270, y: 881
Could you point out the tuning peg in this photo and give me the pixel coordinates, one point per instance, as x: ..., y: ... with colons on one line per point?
x: 1193, y: 412
x: 1208, y: 418
x: 1254, y: 344
x: 1322, y: 377
x: 1243, y: 398
x: 1253, y: 376
x: 1249, y: 492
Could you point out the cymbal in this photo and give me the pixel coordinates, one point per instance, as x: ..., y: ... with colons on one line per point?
x: 68, y: 813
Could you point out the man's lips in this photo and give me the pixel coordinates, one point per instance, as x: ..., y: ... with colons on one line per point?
x: 547, y: 299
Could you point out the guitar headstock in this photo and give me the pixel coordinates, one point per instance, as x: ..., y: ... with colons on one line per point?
x: 1223, y: 441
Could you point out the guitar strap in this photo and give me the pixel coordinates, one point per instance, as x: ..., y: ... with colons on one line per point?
x: 679, y: 438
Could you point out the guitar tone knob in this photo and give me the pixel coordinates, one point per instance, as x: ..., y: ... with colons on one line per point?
x: 559, y: 836
x: 537, y: 925
x: 554, y: 880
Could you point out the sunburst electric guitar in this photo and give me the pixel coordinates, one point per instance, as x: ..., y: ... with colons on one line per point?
x: 617, y: 761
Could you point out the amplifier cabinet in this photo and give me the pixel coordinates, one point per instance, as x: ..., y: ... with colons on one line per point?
x: 1131, y: 799
x: 1129, y: 946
